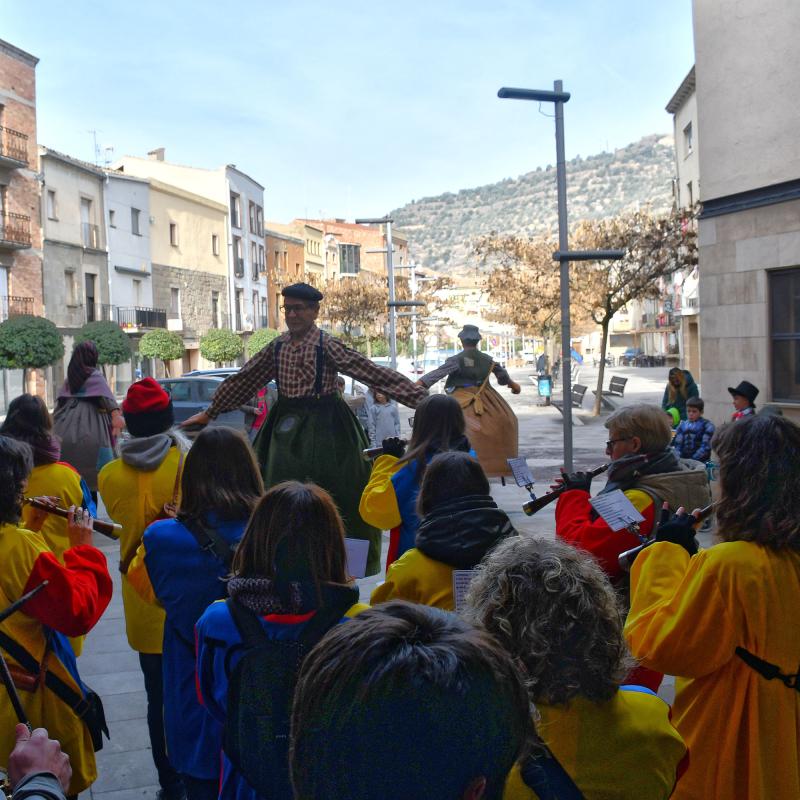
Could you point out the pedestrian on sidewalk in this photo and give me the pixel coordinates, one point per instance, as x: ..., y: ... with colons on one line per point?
x: 87, y: 417
x: 460, y: 523
x: 555, y: 613
x: 77, y: 593
x: 139, y: 487
x: 310, y: 434
x: 680, y: 387
x: 389, y: 500
x: 383, y: 418
x: 289, y: 568
x: 182, y: 564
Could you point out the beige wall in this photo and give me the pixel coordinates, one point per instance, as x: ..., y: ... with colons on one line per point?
x: 686, y: 160
x: 736, y: 252
x: 197, y: 219
x: 748, y: 93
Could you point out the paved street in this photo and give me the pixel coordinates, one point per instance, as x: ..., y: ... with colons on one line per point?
x: 126, y: 769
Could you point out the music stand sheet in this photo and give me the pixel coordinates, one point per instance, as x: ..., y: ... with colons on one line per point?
x: 357, y: 551
x: 521, y: 471
x: 461, y: 581
x: 616, y: 510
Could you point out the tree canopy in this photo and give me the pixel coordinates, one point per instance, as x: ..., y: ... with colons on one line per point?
x: 355, y: 303
x: 259, y: 339
x: 113, y: 344
x: 163, y: 344
x: 28, y: 342
x: 221, y: 346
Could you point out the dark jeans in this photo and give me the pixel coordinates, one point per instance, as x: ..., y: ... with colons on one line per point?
x: 168, y: 778
x: 200, y: 788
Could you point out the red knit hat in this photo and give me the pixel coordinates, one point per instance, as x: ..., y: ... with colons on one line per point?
x: 145, y: 396
x: 147, y: 408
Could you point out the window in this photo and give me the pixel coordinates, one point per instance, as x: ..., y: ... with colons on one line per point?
x: 252, y: 217
x: 179, y: 391
x: 70, y: 288
x: 259, y: 220
x: 173, y: 234
x: 135, y: 222
x: 262, y: 267
x: 254, y: 260
x: 137, y: 292
x: 349, y: 259
x: 236, y: 213
x: 255, y: 310
x: 51, y: 204
x: 689, y: 193
x: 112, y: 218
x: 688, y: 142
x: 238, y: 261
x: 264, y: 320
x: 89, y: 282
x: 206, y: 389
x: 215, y: 309
x: 784, y: 321
x: 175, y: 302
x: 215, y: 244
x: 239, y: 308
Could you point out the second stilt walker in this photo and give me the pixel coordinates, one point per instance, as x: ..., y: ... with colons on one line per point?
x: 492, y: 426
x: 310, y: 433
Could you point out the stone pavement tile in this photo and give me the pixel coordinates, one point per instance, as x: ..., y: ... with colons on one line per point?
x: 126, y: 735
x: 94, y: 663
x: 108, y: 639
x: 129, y: 770
x: 140, y: 793
x: 126, y: 706
x: 113, y: 683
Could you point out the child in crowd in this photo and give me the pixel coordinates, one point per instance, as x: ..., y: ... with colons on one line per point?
x: 744, y: 399
x: 693, y: 437
x: 383, y: 420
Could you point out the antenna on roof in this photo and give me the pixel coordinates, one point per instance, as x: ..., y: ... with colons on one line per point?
x: 96, y: 147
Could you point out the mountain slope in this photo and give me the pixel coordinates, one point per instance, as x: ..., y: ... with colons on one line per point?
x: 441, y: 229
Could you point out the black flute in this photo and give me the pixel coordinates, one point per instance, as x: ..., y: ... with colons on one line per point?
x: 532, y: 506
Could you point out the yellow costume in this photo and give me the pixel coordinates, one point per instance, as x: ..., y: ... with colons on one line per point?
x: 134, y: 498
x: 418, y: 579
x: 625, y: 748
x: 687, y: 617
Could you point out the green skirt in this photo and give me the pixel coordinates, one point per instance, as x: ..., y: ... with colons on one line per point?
x: 305, y: 439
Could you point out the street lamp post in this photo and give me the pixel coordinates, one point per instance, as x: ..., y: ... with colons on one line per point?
x: 558, y: 97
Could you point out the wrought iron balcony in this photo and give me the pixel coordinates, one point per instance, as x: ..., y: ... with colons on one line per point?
x: 140, y: 317
x: 13, y: 147
x: 15, y: 231
x: 11, y: 306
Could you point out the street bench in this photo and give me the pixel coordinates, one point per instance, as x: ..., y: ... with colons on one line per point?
x: 578, y: 391
x: 616, y: 388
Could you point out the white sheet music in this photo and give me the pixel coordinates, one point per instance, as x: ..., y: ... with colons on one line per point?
x: 616, y: 510
x: 461, y: 581
x: 521, y: 471
x: 357, y: 551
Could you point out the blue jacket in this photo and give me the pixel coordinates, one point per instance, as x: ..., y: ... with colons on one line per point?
x: 693, y: 439
x: 219, y: 648
x: 186, y: 580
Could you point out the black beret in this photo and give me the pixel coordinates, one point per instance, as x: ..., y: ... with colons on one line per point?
x: 302, y: 291
x: 470, y: 333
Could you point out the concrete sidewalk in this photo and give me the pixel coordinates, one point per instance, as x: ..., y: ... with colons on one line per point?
x: 111, y: 668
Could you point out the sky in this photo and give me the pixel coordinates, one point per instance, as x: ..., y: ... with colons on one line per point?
x: 350, y: 109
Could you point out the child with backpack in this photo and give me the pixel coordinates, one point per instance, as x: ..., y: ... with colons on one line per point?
x: 288, y: 587
x: 693, y: 436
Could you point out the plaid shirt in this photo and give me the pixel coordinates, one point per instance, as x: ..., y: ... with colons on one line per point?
x: 297, y: 369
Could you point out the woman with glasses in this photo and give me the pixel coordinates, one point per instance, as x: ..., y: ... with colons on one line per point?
x: 389, y: 500
x: 310, y: 433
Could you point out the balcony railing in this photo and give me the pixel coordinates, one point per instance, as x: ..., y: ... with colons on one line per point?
x: 139, y: 317
x: 13, y: 146
x: 11, y: 306
x: 91, y: 235
x: 15, y: 230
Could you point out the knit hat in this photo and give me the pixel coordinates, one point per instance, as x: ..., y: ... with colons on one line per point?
x: 147, y: 408
x: 470, y: 333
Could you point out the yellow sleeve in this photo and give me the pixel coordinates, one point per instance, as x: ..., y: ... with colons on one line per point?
x: 378, y: 504
x: 679, y: 622
x: 139, y: 579
x: 401, y: 581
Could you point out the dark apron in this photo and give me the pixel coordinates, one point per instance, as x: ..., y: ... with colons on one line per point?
x: 318, y: 439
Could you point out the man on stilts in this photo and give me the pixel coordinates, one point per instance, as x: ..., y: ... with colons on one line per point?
x: 310, y: 434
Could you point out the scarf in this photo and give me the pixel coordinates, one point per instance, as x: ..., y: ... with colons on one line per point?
x: 94, y: 386
x: 46, y: 450
x: 624, y: 472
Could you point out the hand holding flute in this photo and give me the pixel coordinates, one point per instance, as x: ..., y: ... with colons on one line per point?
x: 679, y: 529
x: 575, y: 480
x: 79, y: 522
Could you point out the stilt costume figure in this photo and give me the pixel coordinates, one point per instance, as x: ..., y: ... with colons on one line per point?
x: 310, y: 433
x: 492, y: 426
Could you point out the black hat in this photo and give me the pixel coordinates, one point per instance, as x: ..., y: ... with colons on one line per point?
x: 470, y: 333
x: 302, y: 291
x: 745, y: 389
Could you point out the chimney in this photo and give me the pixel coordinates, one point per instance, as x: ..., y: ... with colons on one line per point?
x: 157, y: 154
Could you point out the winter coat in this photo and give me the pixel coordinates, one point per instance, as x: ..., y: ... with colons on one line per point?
x: 680, y: 401
x: 135, y: 488
x: 456, y: 535
x: 688, y: 615
x: 693, y: 439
